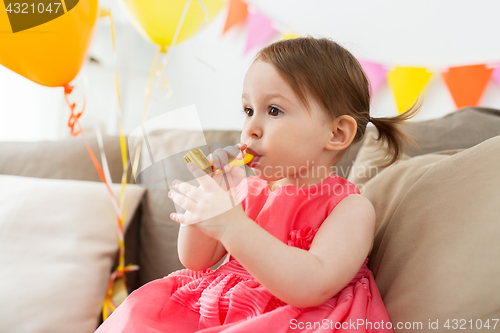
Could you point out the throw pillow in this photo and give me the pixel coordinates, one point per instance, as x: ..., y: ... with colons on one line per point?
x: 58, y: 241
x: 437, y: 240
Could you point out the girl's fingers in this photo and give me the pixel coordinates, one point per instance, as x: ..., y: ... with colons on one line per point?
x: 241, y: 148
x: 233, y: 151
x: 179, y: 218
x: 235, y: 177
x: 220, y: 157
x: 219, y: 179
x: 181, y: 200
x: 183, y: 219
x: 206, y: 182
x: 237, y: 150
x: 188, y: 190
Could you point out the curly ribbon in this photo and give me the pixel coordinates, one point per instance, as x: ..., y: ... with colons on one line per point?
x: 164, y: 82
x: 73, y: 118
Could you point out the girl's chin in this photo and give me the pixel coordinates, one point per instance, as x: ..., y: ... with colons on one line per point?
x: 267, y: 176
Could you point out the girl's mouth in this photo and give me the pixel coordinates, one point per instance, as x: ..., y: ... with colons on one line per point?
x: 254, y: 162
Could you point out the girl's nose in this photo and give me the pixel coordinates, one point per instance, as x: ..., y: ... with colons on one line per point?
x: 253, y: 128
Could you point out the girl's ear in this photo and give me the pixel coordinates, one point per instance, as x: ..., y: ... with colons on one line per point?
x: 343, y: 131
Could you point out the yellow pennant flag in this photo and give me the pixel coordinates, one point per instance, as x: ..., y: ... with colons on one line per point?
x: 407, y: 83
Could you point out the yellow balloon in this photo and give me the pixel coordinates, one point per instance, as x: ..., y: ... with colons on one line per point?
x: 157, y: 20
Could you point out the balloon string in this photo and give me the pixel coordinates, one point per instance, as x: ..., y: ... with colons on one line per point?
x: 205, y: 22
x: 74, y: 120
x: 181, y: 22
x: 123, y: 146
x: 164, y: 83
x: 144, y: 115
x: 108, y: 305
x: 121, y: 269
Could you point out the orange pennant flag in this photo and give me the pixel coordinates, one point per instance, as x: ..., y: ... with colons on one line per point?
x: 467, y: 83
x: 236, y: 13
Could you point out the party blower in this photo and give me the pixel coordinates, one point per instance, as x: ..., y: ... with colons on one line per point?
x: 196, y: 156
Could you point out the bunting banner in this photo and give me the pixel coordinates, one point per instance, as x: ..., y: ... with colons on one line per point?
x: 407, y: 83
x: 376, y: 74
x: 467, y: 83
x: 259, y: 30
x: 496, y: 74
x: 289, y: 35
x: 236, y: 14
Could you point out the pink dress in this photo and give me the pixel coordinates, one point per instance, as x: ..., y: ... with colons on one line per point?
x: 229, y: 299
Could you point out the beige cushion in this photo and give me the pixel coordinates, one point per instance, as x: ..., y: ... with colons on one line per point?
x: 370, y: 158
x: 459, y: 129
x: 436, y: 243
x: 66, y: 159
x: 58, y: 241
x: 69, y: 159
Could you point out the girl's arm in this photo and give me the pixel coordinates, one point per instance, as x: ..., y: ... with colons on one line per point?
x: 197, y: 250
x: 307, y: 278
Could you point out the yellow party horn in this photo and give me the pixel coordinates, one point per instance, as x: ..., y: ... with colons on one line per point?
x: 196, y: 156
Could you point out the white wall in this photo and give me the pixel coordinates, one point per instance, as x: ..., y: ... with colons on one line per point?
x: 434, y: 34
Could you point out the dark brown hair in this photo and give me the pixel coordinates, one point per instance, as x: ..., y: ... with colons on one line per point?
x: 334, y: 78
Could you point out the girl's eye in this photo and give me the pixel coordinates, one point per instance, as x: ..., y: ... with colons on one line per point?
x: 274, y: 110
x: 246, y: 110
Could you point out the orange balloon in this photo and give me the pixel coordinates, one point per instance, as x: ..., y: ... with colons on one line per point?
x: 47, y: 45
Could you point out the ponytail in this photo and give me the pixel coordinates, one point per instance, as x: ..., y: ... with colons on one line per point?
x: 390, y: 132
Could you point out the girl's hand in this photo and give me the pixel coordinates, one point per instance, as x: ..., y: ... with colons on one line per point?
x: 220, y: 160
x: 210, y: 207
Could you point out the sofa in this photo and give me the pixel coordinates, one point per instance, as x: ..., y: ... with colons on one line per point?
x: 436, y: 244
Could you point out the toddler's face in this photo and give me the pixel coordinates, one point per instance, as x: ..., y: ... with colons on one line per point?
x: 278, y: 127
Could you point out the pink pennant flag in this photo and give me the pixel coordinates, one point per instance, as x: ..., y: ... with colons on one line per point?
x: 376, y: 74
x: 496, y: 74
x: 259, y: 30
